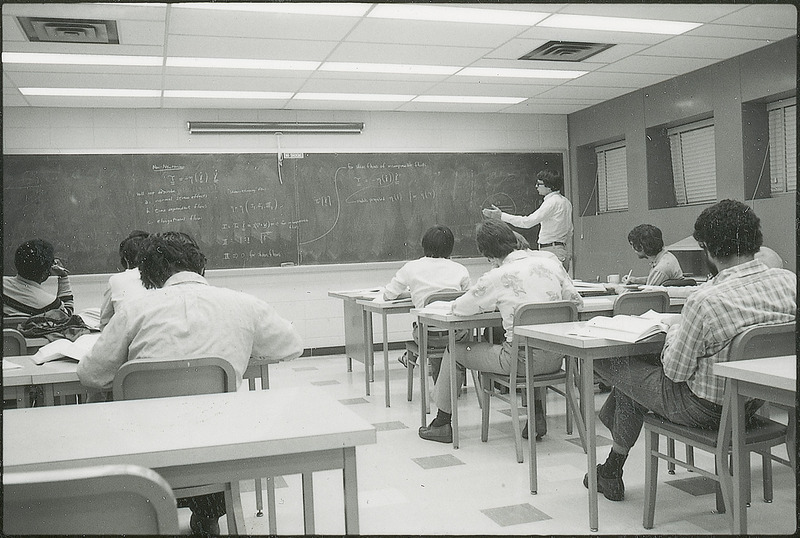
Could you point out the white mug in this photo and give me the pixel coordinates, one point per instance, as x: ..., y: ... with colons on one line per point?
x: 613, y: 279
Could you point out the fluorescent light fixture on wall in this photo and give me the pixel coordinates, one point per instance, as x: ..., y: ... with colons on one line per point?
x: 423, y: 12
x: 618, y: 24
x: 518, y: 73
x: 90, y: 92
x: 303, y: 127
x: 80, y: 59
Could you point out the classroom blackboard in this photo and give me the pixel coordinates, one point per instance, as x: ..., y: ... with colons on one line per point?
x: 254, y: 210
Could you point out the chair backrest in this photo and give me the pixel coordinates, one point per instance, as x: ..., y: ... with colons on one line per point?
x: 151, y: 378
x: 764, y: 341
x: 107, y: 499
x: 635, y: 303
x: 442, y: 296
x: 12, y: 322
x: 537, y: 314
x: 680, y: 282
x: 14, y: 343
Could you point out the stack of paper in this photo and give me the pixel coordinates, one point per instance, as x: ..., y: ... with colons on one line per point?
x: 438, y: 307
x: 64, y: 348
x: 628, y: 328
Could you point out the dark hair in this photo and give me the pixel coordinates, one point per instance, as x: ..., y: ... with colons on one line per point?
x: 522, y: 242
x: 164, y: 254
x: 551, y: 179
x: 728, y: 228
x: 438, y: 242
x: 33, y: 259
x: 495, y: 239
x: 646, y: 238
x: 129, y: 248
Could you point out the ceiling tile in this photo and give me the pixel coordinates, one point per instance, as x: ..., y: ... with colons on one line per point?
x: 672, y: 12
x: 619, y: 80
x: 85, y: 80
x: 232, y: 83
x: 660, y: 64
x: 601, y: 93
x: 182, y: 102
x: 768, y: 16
x: 434, y: 33
x: 199, y: 46
x: 402, y: 53
x: 742, y: 32
x: 704, y: 47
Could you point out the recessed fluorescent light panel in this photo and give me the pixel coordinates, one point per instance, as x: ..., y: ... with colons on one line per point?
x: 343, y: 9
x: 89, y: 92
x: 618, y: 24
x: 470, y: 99
x: 241, y: 63
x: 422, y: 12
x: 79, y: 59
x: 519, y: 73
x: 380, y: 97
x: 201, y: 94
x: 353, y: 67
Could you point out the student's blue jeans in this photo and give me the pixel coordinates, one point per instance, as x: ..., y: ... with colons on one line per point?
x: 639, y: 385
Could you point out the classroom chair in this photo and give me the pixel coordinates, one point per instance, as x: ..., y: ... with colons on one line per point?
x: 762, y: 433
x: 104, y: 500
x: 153, y: 378
x: 12, y: 322
x: 529, y: 314
x: 14, y: 343
x: 434, y: 353
x: 634, y: 303
x: 680, y: 282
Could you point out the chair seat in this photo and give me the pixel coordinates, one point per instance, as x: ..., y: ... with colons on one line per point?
x: 759, y: 429
x: 541, y: 379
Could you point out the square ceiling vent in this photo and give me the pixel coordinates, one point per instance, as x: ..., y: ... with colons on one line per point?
x: 566, y: 51
x: 69, y: 30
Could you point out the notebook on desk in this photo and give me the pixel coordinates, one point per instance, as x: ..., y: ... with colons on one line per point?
x: 626, y: 328
x: 63, y: 348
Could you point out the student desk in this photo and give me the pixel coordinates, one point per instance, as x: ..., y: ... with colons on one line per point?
x: 451, y: 323
x: 354, y: 344
x: 773, y: 379
x: 196, y: 440
x: 383, y: 308
x: 59, y: 378
x: 560, y: 338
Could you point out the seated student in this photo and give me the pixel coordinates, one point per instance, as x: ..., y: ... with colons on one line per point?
x: 434, y: 272
x: 516, y: 278
x: 646, y: 241
x: 681, y: 386
x: 183, y: 316
x: 23, y: 294
x: 127, y: 284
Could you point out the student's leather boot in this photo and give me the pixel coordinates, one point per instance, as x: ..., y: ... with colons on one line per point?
x: 609, y: 477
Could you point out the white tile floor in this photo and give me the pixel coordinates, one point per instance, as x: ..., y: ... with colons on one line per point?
x: 413, y: 487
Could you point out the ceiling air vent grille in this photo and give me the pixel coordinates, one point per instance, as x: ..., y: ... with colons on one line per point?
x: 69, y: 30
x: 566, y: 51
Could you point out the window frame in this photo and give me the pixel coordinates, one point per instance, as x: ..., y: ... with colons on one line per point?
x: 618, y: 183
x: 782, y: 156
x: 685, y: 143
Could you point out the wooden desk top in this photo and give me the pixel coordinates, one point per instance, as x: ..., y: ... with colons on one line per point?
x: 778, y: 372
x: 450, y: 317
x: 564, y: 333
x: 380, y: 306
x: 164, y: 432
x: 366, y: 293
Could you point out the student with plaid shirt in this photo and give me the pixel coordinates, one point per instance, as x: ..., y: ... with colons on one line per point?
x: 681, y: 386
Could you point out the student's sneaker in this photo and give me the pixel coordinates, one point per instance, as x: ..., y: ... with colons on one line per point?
x: 407, y: 359
x: 440, y: 434
x: 611, y: 487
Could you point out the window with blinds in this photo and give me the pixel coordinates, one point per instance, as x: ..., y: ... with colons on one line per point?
x: 612, y: 178
x: 693, y: 162
x: 783, y: 146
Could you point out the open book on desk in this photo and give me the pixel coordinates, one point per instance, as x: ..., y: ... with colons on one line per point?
x: 628, y: 328
x: 63, y: 348
x: 438, y: 307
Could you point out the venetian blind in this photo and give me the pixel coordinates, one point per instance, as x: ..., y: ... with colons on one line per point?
x: 693, y: 162
x: 783, y: 146
x: 612, y: 177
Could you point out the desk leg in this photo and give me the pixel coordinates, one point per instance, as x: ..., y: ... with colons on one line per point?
x: 532, y: 464
x: 233, y: 505
x: 308, y: 503
x: 587, y: 398
x: 368, y: 351
x: 451, y: 333
x: 422, y: 364
x: 350, y: 484
x: 741, y: 460
x: 386, y: 356
x: 273, y: 521
x: 264, y: 376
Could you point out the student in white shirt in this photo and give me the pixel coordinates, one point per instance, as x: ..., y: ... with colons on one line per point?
x: 555, y: 216
x: 127, y: 284
x: 434, y: 272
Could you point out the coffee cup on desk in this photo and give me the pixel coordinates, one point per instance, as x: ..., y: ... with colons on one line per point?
x: 613, y: 279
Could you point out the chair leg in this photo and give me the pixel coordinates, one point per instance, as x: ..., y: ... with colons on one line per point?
x: 259, y: 499
x: 690, y: 455
x: 671, y: 454
x: 568, y: 391
x: 650, y: 478
x: 478, y: 392
x: 485, y: 409
x: 766, y: 473
x: 724, y: 484
x: 515, y: 424
x: 410, y: 380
